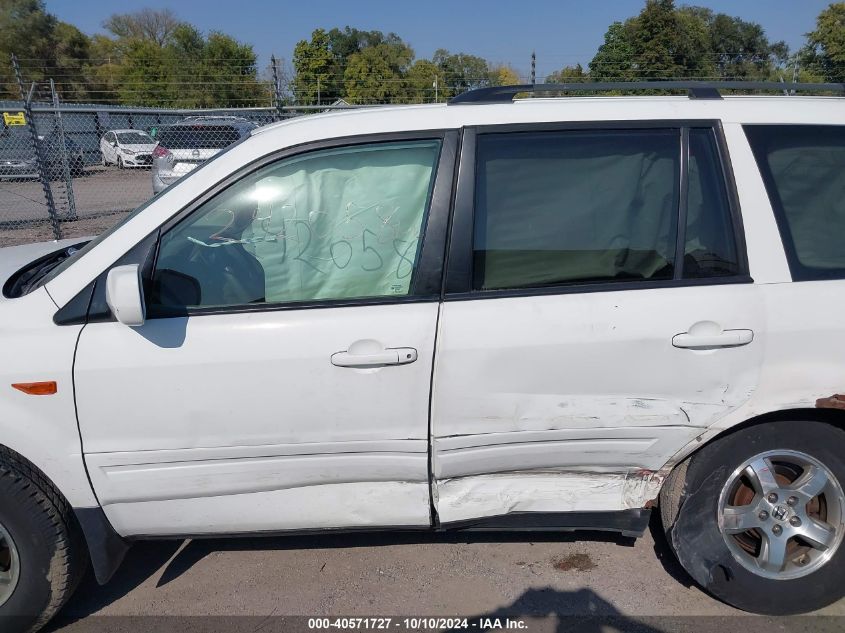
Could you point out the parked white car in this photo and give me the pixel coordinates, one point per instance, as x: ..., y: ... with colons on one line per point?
x: 551, y: 313
x: 127, y: 148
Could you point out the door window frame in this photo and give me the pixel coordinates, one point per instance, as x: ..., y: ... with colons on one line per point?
x: 428, y: 272
x: 89, y: 305
x: 457, y: 284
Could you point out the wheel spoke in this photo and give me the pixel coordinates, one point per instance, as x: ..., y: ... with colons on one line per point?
x: 811, y: 482
x: 5, y: 577
x: 762, y: 475
x: 819, y: 534
x: 737, y: 519
x: 772, y: 553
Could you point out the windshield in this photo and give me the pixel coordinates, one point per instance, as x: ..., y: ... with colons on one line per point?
x: 134, y: 138
x: 199, y: 136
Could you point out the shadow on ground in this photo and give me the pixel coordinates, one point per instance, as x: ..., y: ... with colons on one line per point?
x: 145, y: 559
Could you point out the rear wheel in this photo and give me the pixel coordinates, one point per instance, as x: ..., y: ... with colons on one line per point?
x: 758, y: 518
x: 42, y: 552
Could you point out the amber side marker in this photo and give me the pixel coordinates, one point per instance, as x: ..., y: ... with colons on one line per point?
x: 46, y: 388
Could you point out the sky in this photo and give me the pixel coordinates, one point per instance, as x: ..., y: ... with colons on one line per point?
x: 561, y: 32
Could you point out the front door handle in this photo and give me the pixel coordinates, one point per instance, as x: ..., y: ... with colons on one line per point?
x: 390, y: 356
x: 726, y: 338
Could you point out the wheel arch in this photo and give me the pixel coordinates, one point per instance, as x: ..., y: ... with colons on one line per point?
x: 675, y: 470
x: 105, y: 547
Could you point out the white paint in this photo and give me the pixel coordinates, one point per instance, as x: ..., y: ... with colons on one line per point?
x: 600, y: 363
x: 124, y: 295
x: 41, y: 428
x: 260, y: 381
x: 241, y: 422
x: 329, y: 506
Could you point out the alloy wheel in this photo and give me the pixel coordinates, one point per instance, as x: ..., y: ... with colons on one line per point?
x: 10, y: 567
x: 781, y: 514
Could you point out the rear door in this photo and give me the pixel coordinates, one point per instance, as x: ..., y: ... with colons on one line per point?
x: 598, y: 316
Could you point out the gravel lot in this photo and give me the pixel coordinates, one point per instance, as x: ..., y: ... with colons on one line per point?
x: 587, y: 581
x: 103, y: 195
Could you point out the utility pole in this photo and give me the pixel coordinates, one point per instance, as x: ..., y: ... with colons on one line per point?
x: 318, y: 89
x: 436, y: 96
x: 533, y: 68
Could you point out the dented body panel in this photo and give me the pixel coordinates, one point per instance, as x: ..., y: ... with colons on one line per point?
x: 589, y: 385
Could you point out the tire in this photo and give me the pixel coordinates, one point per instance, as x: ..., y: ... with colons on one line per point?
x: 119, y: 162
x: 47, y: 543
x: 706, y: 510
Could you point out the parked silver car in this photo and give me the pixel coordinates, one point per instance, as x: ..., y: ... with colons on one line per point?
x: 185, y: 145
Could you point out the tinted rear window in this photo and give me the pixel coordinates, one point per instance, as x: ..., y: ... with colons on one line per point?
x: 803, y: 167
x: 199, y: 137
x: 575, y: 206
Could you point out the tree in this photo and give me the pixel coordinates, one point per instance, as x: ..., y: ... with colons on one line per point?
x: 502, y: 75
x: 462, y: 72
x: 313, y: 64
x: 420, y: 83
x: 614, y: 59
x: 825, y: 50
x: 371, y: 76
x: 156, y: 26
x: 567, y: 74
x: 27, y: 30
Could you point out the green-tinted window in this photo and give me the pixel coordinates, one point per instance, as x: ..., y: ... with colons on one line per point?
x: 333, y: 224
x: 803, y: 167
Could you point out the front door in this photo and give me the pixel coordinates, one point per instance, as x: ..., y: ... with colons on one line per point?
x: 585, y: 339
x: 281, y: 380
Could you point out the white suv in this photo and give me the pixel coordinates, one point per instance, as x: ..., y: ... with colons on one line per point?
x: 551, y: 313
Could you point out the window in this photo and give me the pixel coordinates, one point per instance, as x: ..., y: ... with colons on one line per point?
x: 710, y: 249
x: 333, y: 224
x: 199, y: 136
x: 803, y: 167
x: 575, y: 206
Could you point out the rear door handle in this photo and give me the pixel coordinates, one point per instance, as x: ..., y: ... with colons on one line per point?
x: 727, y: 338
x: 390, y: 356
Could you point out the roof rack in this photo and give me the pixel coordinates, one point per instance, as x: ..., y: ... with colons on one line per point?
x: 695, y: 89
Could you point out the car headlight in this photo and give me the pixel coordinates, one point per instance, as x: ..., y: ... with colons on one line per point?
x: 128, y: 151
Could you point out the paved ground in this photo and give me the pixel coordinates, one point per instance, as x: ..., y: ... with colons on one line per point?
x: 631, y: 585
x: 102, y: 196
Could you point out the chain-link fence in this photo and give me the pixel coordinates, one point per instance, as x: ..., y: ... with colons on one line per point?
x: 73, y: 170
x: 70, y: 170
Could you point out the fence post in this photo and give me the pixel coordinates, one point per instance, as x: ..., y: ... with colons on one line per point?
x: 40, y: 159
x: 277, y: 89
x: 71, y: 201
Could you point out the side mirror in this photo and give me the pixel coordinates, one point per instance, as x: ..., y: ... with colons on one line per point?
x: 124, y: 295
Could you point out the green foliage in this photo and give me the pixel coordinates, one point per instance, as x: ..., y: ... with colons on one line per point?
x: 825, y: 50
x: 614, y: 60
x: 502, y: 75
x: 462, y: 71
x: 420, y: 83
x: 314, y: 66
x: 665, y: 42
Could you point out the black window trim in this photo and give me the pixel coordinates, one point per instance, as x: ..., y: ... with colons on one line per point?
x: 457, y: 285
x: 427, y: 276
x: 797, y: 270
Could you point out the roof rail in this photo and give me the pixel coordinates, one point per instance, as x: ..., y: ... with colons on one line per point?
x: 695, y: 89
